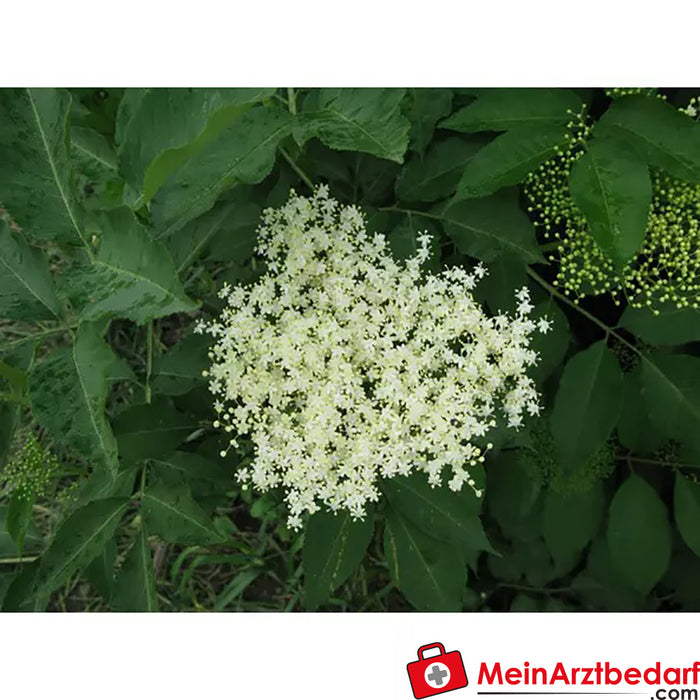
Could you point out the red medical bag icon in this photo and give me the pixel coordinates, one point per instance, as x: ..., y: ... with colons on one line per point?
x: 436, y: 674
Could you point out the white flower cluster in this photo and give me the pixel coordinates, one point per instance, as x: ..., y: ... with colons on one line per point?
x: 345, y: 367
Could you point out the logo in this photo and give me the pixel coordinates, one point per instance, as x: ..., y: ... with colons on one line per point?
x: 436, y: 674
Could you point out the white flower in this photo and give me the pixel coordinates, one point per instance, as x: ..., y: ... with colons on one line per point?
x: 345, y: 367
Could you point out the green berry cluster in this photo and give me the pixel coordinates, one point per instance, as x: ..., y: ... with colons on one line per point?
x: 30, y: 471
x: 540, y: 460
x: 618, y: 92
x: 667, y: 268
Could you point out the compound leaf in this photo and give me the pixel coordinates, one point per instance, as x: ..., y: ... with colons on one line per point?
x: 134, y: 588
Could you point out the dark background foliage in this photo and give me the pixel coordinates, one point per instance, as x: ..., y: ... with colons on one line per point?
x: 123, y: 211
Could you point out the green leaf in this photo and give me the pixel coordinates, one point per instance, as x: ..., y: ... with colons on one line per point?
x: 499, y: 109
x: 170, y: 512
x: 431, y: 574
x: 68, y: 392
x: 668, y: 138
x: 180, y: 369
x: 134, y: 587
x: 444, y: 514
x: 509, y: 158
x: 19, y: 518
x: 686, y: 508
x: 100, y: 571
x: 79, y: 539
x: 161, y: 128
x: 634, y: 427
x: 206, y: 478
x: 151, y: 430
x: 132, y: 276
x: 486, y: 228
x: 610, y: 184
x: 672, y: 394
x: 35, y: 169
x: 670, y: 326
x: 98, y: 184
x: 639, y: 535
x: 571, y: 521
x: 586, y: 406
x: 243, y: 153
x: 358, y: 119
x: 435, y: 176
x: 334, y: 544
x: 9, y: 547
x: 427, y: 106
x: 506, y: 275
x: 26, y: 288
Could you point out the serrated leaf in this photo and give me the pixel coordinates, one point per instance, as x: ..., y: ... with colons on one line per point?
x: 571, y: 521
x: 431, y: 574
x: 672, y: 394
x: 508, y: 159
x: 427, y: 106
x: 586, y: 406
x: 638, y: 535
x: 206, y: 478
x: 611, y: 186
x: 486, y: 228
x: 68, y: 392
x: 180, y: 369
x: 499, y: 109
x: 134, y: 588
x: 26, y: 288
x: 160, y: 128
x: 443, y: 514
x: 243, y: 153
x: 35, y: 169
x: 170, y: 512
x: 78, y: 540
x: 435, y: 176
x: 132, y: 275
x: 99, y: 573
x: 667, y: 138
x: 670, y: 326
x: 151, y: 430
x: 334, y: 544
x: 358, y: 119
x: 505, y: 275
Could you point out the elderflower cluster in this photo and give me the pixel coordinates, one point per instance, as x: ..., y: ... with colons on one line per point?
x: 666, y: 270
x: 344, y: 367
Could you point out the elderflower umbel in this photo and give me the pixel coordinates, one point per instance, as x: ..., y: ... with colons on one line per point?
x: 345, y: 367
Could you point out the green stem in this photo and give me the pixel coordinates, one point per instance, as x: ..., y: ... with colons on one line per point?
x: 562, y: 297
x: 304, y: 177
x: 292, y: 100
x: 34, y: 336
x: 149, y: 359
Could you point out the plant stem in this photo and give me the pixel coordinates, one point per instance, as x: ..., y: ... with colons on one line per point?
x: 33, y: 336
x: 292, y: 100
x: 304, y: 177
x: 149, y: 359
